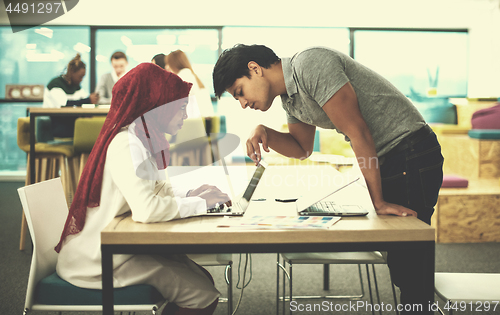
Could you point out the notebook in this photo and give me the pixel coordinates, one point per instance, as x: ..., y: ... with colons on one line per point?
x: 238, y: 208
x: 316, y: 206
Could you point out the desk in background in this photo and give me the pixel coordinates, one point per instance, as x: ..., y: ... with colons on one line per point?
x: 200, y: 234
x: 33, y: 112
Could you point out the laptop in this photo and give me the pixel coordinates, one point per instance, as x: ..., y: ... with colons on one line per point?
x: 316, y: 206
x: 238, y: 208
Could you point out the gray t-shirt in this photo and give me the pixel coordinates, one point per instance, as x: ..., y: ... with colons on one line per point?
x: 314, y: 75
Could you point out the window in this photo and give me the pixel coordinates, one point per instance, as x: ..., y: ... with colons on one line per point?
x: 33, y: 56
x: 417, y: 62
x: 286, y: 41
x: 140, y: 45
x: 37, y: 55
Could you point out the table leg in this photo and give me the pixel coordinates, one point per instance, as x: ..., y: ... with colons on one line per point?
x: 326, y: 277
x: 429, y: 254
x: 107, y: 281
x: 32, y: 149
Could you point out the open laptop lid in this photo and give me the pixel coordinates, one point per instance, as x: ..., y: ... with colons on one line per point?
x: 306, y: 201
x: 244, y: 201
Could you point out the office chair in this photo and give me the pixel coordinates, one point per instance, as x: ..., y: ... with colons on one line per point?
x: 191, y: 144
x: 468, y: 291
x: 46, y: 210
x: 50, y: 159
x: 87, y: 130
x: 326, y: 259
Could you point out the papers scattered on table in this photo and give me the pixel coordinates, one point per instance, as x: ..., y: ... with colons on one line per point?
x: 279, y: 222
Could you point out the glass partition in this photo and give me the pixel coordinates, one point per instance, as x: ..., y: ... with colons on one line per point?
x: 12, y: 159
x: 140, y: 45
x: 419, y: 63
x: 33, y: 57
x: 286, y: 41
x: 37, y: 55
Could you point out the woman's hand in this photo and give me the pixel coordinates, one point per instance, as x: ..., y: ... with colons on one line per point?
x: 258, y: 135
x: 212, y: 195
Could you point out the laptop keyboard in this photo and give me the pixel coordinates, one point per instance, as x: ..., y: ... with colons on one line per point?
x: 324, y: 206
x: 221, y: 209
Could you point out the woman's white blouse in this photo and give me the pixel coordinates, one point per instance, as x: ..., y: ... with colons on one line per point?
x: 149, y: 200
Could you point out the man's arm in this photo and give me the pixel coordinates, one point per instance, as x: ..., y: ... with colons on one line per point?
x: 343, y: 110
x: 297, y: 143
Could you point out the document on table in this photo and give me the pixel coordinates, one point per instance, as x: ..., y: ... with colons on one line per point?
x: 278, y: 222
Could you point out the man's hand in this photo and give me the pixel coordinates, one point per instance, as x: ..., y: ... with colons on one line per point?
x: 391, y: 208
x: 94, y: 98
x: 258, y: 135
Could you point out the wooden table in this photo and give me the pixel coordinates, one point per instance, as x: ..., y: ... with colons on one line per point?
x: 33, y: 112
x: 201, y: 235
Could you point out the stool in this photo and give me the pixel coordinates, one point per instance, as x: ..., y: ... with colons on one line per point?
x: 87, y: 130
x: 50, y: 159
x: 485, y: 134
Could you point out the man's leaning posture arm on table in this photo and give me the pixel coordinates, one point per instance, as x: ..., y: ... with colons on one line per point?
x: 321, y: 87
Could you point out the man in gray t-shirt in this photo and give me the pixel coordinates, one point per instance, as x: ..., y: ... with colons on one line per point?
x: 314, y: 75
x: 321, y: 87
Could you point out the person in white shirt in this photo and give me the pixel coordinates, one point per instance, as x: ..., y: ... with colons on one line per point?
x: 104, y: 88
x: 178, y: 63
x: 126, y: 172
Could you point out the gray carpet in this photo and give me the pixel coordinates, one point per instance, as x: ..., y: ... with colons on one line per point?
x: 260, y: 295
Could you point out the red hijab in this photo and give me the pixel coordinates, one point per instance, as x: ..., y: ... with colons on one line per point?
x: 142, y: 89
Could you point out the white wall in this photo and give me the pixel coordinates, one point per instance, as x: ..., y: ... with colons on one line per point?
x: 481, y: 17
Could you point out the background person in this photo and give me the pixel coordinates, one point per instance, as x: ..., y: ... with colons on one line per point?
x: 110, y: 186
x: 178, y: 63
x: 104, y: 88
x: 159, y: 59
x: 65, y: 90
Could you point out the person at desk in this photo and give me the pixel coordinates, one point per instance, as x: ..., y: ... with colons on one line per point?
x: 397, y: 151
x: 65, y: 90
x: 126, y: 171
x: 159, y: 59
x: 104, y: 88
x: 178, y: 63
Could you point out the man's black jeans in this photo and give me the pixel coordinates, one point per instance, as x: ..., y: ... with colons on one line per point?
x: 412, y: 177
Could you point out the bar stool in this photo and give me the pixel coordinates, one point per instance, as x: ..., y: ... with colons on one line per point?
x: 87, y: 130
x: 50, y: 160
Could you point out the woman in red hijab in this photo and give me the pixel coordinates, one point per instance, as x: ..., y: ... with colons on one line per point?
x: 126, y: 172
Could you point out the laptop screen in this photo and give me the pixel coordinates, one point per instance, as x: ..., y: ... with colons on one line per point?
x: 247, y: 195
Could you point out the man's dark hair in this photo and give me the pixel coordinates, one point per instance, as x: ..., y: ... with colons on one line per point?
x: 159, y: 60
x: 233, y: 64
x: 118, y: 55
